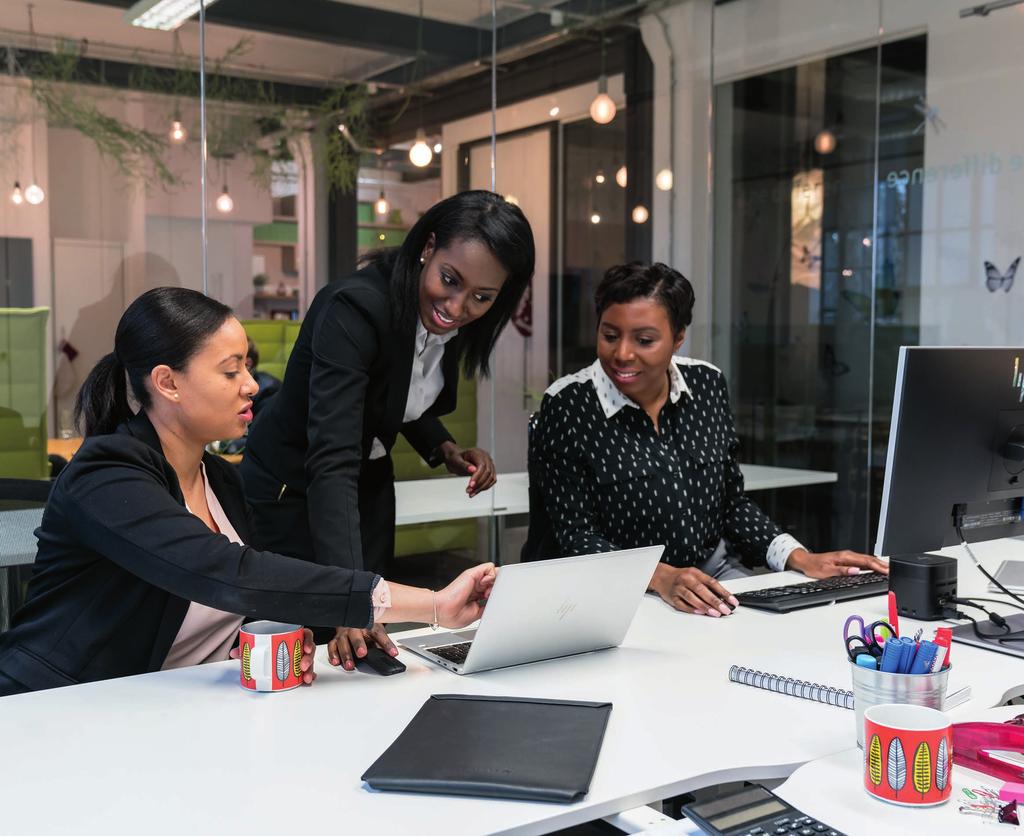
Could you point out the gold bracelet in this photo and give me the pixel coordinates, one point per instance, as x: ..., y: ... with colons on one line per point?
x: 433, y: 597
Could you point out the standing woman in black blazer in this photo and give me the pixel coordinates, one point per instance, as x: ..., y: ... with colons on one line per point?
x: 380, y: 353
x: 142, y: 561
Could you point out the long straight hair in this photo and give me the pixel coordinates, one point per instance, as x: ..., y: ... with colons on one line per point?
x: 164, y: 326
x: 468, y: 216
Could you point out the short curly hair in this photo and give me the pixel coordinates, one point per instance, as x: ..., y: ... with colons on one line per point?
x: 636, y: 280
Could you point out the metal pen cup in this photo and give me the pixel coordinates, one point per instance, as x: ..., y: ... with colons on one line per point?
x: 871, y: 687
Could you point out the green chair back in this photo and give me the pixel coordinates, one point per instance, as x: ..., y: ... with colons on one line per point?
x: 23, y: 394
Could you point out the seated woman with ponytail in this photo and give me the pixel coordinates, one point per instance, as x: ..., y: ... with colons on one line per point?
x: 142, y: 563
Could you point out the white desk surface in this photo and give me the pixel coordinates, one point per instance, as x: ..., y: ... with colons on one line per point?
x: 191, y: 750
x: 832, y: 789
x: 433, y: 500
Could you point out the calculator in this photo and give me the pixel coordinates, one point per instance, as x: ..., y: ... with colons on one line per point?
x: 754, y: 811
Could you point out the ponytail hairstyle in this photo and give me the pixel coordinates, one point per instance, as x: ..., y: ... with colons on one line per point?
x: 468, y: 216
x: 164, y: 326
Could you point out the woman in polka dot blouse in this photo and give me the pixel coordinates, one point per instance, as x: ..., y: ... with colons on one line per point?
x: 640, y: 449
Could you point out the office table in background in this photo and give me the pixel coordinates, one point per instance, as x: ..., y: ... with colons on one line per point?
x: 191, y: 750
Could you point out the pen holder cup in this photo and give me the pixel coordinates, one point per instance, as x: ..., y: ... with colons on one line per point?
x: 872, y: 687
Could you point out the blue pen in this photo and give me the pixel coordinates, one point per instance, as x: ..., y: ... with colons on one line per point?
x: 908, y: 648
x: 925, y: 657
x: 891, y: 656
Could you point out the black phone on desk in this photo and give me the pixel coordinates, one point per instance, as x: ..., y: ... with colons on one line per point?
x: 753, y: 811
x: 376, y: 661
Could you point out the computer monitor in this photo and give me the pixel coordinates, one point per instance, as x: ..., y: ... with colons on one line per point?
x: 956, y: 449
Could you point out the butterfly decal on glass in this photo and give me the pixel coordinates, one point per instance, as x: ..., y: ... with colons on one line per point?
x: 995, y: 280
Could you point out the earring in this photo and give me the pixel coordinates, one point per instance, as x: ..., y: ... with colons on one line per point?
x: 422, y: 260
x: 176, y: 396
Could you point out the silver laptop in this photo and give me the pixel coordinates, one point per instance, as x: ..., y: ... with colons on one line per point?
x: 548, y: 609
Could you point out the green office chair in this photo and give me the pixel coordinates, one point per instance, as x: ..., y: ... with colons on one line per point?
x: 23, y: 394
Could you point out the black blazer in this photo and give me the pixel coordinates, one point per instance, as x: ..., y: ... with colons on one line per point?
x: 120, y: 559
x: 346, y: 383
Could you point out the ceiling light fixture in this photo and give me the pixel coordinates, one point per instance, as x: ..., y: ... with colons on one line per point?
x: 17, y: 198
x: 437, y: 147
x: 663, y: 180
x: 621, y: 176
x: 602, y: 109
x: 177, y: 134
x: 640, y: 214
x: 163, y: 14
x: 825, y: 142
x: 34, y: 194
x: 225, y: 203
x: 595, y: 218
x: 380, y: 206
x: 420, y: 154
x: 599, y: 178
x: 554, y: 111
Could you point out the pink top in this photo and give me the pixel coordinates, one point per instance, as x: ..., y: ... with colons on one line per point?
x: 206, y: 634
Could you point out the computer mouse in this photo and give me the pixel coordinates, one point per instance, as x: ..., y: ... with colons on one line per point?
x: 379, y: 663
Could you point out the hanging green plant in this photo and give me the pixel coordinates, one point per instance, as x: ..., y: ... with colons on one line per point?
x: 137, y: 153
x: 244, y: 117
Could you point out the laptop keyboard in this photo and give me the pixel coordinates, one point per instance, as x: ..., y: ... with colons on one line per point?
x: 456, y: 653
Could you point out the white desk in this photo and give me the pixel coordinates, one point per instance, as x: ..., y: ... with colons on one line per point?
x: 423, y: 501
x: 189, y: 750
x: 832, y: 789
x: 434, y: 500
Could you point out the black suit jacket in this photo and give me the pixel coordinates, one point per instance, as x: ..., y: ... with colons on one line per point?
x: 346, y: 383
x: 120, y: 559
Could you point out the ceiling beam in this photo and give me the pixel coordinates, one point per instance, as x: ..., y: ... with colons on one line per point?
x: 343, y: 24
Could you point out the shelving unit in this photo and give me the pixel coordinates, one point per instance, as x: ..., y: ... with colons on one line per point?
x: 277, y: 242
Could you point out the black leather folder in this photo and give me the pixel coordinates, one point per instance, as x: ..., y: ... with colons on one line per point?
x: 500, y: 747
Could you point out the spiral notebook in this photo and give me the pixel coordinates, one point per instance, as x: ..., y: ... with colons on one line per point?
x: 819, y: 693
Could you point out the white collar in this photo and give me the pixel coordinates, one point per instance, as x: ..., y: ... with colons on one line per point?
x: 425, y: 338
x: 611, y: 398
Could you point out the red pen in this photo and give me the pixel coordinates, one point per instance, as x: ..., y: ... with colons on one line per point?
x: 943, y: 638
x: 894, y: 618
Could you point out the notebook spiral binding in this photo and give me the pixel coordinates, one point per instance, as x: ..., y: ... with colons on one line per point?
x: 793, y: 687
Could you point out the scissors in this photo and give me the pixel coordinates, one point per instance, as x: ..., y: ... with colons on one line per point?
x: 865, y: 639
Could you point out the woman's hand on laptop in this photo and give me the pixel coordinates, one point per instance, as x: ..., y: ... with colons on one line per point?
x: 350, y: 643
x: 692, y: 591
x: 462, y: 601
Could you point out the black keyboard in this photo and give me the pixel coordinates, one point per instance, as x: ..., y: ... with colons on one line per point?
x: 456, y: 653
x: 796, y: 596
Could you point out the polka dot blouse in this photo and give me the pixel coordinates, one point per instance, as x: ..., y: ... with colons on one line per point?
x: 610, y: 480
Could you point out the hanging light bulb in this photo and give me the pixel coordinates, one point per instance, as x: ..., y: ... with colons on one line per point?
x: 621, y: 177
x: 177, y: 133
x: 224, y: 202
x: 599, y: 178
x: 640, y: 214
x: 825, y: 142
x: 437, y: 147
x: 420, y: 154
x: 602, y: 109
x: 17, y: 198
x: 663, y: 180
x: 554, y: 111
x: 595, y: 218
x: 35, y: 195
x: 381, y: 205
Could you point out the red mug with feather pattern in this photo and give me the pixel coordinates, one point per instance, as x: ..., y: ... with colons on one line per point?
x: 908, y: 754
x: 270, y: 655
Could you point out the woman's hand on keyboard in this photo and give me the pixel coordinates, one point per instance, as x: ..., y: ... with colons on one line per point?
x: 830, y: 564
x: 692, y: 591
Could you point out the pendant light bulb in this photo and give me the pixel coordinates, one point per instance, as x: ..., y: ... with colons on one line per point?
x: 225, y: 204
x: 602, y: 109
x: 381, y: 206
x: 640, y: 214
x: 177, y: 134
x: 621, y: 177
x: 35, y: 195
x: 17, y: 198
x: 420, y: 154
x: 825, y: 142
x: 663, y: 180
